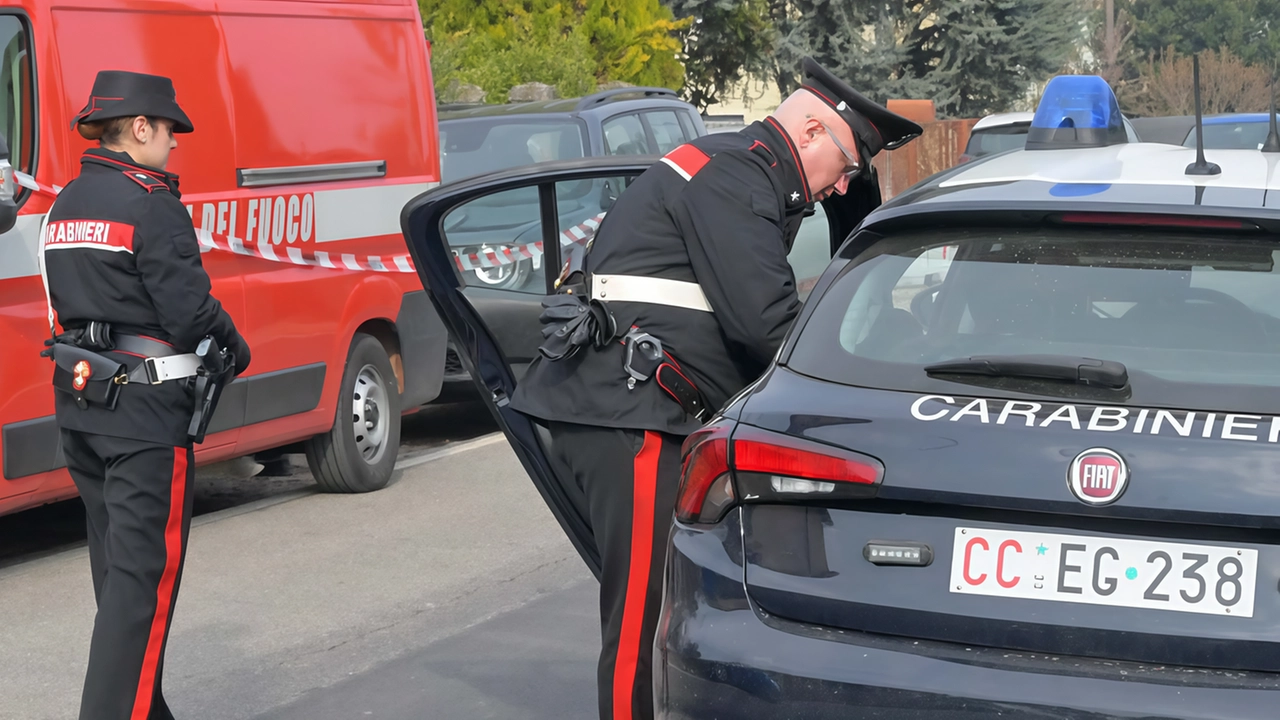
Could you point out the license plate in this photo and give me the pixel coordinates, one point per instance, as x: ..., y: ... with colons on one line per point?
x: 1104, y: 571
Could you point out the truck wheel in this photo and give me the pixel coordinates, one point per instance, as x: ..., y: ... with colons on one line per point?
x: 359, y: 453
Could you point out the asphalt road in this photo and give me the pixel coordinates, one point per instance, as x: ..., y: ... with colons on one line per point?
x: 452, y: 593
x: 60, y: 526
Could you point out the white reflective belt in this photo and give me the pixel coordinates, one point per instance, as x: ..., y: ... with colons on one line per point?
x: 172, y: 367
x: 656, y: 291
x: 44, y: 273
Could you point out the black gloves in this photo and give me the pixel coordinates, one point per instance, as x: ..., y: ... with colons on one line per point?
x: 571, y: 322
x: 241, y: 350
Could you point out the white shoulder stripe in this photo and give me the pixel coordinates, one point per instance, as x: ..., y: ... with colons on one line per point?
x: 677, y: 168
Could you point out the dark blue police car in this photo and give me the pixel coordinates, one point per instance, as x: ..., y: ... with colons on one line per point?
x: 1018, y: 457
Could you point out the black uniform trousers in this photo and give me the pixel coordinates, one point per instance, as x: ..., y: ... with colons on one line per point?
x: 137, y: 498
x: 629, y: 479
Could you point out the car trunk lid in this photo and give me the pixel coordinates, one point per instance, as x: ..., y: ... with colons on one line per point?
x: 1011, y: 556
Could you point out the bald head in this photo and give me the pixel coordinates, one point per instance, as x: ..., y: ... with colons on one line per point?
x: 799, y: 107
x: 807, y: 120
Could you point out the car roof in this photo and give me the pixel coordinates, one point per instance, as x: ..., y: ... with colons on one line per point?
x: 1001, y: 119
x: 1126, y: 177
x: 613, y: 99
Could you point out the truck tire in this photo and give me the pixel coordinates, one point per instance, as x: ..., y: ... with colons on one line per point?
x: 359, y: 453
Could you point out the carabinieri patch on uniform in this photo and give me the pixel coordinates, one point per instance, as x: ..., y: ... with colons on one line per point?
x: 95, y: 234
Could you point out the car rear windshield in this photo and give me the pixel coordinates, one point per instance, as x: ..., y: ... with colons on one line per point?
x: 1195, y: 319
x: 475, y: 146
x: 997, y: 139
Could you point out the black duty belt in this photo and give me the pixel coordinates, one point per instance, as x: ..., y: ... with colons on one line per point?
x: 160, y: 361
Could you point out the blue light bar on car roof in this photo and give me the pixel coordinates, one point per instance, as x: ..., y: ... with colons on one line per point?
x: 1076, y: 111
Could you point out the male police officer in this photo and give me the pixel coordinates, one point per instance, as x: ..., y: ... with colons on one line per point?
x: 125, y: 282
x: 687, y: 298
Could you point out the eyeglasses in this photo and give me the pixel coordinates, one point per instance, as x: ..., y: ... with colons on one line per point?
x: 854, y: 167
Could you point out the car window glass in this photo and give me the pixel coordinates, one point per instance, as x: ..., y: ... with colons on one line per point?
x: 17, y: 109
x: 624, y: 135
x: 690, y: 130
x: 811, y: 252
x: 475, y: 146
x: 581, y: 206
x: 496, y: 241
x: 666, y: 131
x: 997, y: 139
x: 1231, y: 136
x: 1187, y: 315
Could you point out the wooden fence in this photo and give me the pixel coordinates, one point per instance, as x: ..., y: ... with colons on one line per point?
x: 936, y: 150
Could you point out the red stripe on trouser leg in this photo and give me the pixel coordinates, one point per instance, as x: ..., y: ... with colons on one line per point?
x: 164, y: 591
x: 645, y: 483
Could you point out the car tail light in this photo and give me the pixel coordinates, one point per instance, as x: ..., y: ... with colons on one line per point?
x: 788, y: 461
x: 706, y: 489
x: 767, y: 467
x: 770, y: 467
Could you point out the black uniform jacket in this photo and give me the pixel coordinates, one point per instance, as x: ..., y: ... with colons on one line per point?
x: 728, y: 226
x: 121, y: 249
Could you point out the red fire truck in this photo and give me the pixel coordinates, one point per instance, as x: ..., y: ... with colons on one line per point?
x: 315, y: 124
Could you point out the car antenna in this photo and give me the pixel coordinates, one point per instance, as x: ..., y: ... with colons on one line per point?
x: 1273, y: 137
x: 1200, y: 166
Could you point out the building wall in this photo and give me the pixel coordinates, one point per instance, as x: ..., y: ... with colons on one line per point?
x: 752, y: 99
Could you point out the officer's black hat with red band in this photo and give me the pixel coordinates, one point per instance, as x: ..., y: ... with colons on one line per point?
x: 873, y: 125
x: 118, y: 93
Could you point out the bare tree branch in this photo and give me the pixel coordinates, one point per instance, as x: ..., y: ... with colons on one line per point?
x: 1227, y: 85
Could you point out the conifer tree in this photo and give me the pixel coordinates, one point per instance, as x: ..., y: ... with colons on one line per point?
x: 970, y: 57
x: 1250, y: 29
x: 725, y: 41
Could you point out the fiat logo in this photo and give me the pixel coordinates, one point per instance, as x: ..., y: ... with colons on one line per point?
x: 1098, y: 476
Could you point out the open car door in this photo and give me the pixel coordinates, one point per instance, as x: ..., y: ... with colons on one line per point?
x: 488, y: 249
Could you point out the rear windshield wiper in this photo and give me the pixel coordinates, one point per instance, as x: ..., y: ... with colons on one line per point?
x: 1078, y: 370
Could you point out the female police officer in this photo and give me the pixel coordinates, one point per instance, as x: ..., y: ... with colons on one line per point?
x: 125, y: 282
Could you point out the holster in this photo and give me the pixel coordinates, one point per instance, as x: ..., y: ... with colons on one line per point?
x: 681, y: 389
x: 646, y: 358
x: 89, y: 378
x: 219, y: 370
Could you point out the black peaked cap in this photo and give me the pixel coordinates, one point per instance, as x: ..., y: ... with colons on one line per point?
x: 875, y: 127
x: 117, y: 94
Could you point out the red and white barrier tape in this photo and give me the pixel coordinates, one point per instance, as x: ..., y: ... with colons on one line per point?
x: 402, y: 263
x: 30, y: 183
x: 580, y: 233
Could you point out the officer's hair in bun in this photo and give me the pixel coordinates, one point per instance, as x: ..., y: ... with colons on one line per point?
x: 107, y: 132
x: 90, y: 131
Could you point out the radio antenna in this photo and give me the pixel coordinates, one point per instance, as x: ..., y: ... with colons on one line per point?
x: 1272, y: 145
x: 1200, y: 166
